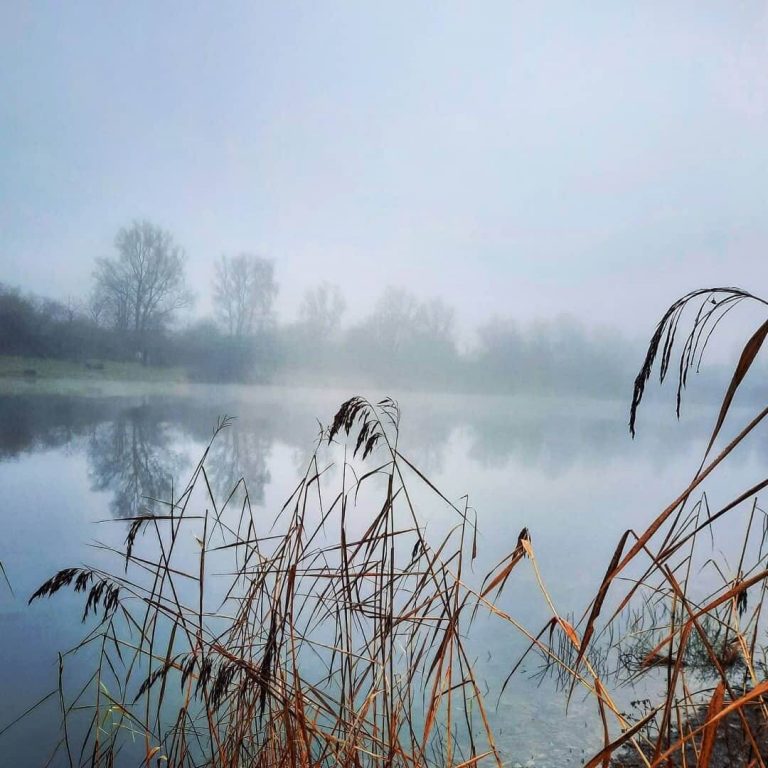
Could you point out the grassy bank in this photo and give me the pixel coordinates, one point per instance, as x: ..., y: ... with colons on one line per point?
x: 30, y: 369
x: 23, y: 375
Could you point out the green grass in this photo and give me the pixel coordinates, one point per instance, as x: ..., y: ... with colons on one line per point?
x: 16, y: 374
x: 47, y: 369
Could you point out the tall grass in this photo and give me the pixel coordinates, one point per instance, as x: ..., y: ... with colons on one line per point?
x: 338, y: 632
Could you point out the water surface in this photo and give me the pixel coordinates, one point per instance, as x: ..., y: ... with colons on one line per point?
x: 73, y: 468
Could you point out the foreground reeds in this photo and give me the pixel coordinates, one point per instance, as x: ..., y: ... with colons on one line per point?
x: 339, y: 633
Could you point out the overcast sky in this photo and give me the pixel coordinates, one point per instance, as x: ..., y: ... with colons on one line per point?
x: 516, y: 158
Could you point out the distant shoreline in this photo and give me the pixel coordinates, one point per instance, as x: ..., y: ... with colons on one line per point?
x: 115, y: 379
x: 37, y: 374
x: 106, y: 378
x: 33, y: 369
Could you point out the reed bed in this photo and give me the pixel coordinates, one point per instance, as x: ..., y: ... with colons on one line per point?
x: 337, y: 632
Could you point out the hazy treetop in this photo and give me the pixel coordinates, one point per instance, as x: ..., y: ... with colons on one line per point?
x: 598, y: 159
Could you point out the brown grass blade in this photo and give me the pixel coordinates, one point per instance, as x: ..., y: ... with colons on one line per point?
x: 754, y: 693
x: 710, y: 730
x: 748, y: 355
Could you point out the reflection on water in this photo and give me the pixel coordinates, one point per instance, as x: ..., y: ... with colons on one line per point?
x: 137, y: 447
x: 132, y: 457
x: 240, y: 454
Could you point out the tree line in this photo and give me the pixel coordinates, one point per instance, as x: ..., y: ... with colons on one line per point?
x: 133, y: 312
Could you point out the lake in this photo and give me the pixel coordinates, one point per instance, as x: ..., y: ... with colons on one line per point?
x: 74, y: 468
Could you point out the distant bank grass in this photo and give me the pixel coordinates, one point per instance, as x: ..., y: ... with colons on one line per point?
x: 28, y: 370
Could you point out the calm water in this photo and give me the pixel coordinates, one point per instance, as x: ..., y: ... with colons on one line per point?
x: 72, y: 467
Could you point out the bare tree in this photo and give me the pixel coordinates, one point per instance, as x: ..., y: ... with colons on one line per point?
x: 322, y: 308
x: 141, y: 288
x: 244, y: 292
x: 399, y: 319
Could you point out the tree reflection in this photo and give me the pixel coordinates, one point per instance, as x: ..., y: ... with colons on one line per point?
x: 137, y: 447
x: 132, y: 458
x: 240, y: 452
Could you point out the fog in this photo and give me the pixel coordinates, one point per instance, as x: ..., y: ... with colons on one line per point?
x: 519, y: 160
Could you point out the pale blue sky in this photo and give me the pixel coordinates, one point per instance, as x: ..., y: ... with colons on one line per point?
x: 597, y: 158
